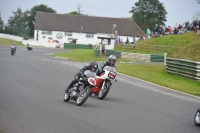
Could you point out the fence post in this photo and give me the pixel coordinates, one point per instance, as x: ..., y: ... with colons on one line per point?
x: 165, y: 57
x: 100, y: 50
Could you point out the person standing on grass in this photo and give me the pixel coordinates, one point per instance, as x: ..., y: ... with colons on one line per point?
x: 134, y: 42
x: 127, y: 41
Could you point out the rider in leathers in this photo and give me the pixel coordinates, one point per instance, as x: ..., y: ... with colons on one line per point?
x: 92, y: 66
x: 110, y: 62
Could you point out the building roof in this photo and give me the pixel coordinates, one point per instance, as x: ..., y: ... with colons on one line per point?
x: 86, y: 24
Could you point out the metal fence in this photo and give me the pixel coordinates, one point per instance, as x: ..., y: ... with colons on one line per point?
x: 77, y: 46
x: 186, y: 68
x: 135, y: 57
x: 152, y: 48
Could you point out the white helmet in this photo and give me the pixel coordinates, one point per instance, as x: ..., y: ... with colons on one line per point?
x: 110, y: 58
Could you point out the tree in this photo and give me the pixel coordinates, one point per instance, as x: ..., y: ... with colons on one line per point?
x: 196, y: 16
x: 74, y: 13
x: 78, y: 12
x: 198, y: 1
x: 1, y: 24
x: 148, y: 13
x: 17, y: 22
x: 79, y: 8
x: 30, y: 18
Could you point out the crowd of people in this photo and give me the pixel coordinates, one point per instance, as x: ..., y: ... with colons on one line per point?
x: 177, y: 29
x: 162, y: 31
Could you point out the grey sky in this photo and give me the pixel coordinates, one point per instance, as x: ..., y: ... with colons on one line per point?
x: 179, y: 11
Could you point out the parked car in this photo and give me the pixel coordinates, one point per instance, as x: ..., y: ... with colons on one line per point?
x: 57, y: 45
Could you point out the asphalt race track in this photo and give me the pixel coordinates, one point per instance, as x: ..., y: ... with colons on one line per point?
x: 31, y: 100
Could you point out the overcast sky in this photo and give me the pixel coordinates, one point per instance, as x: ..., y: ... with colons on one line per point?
x: 179, y: 11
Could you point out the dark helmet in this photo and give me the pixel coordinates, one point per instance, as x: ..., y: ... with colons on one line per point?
x: 112, y: 58
x: 94, y: 65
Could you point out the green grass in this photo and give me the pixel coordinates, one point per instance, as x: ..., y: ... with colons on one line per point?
x: 181, y: 40
x: 129, y: 48
x: 183, y: 46
x: 83, y: 55
x: 152, y: 73
x: 157, y: 74
x: 2, y: 130
x: 191, y: 52
x: 4, y: 41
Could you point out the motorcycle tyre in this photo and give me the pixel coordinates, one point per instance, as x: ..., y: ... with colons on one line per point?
x: 195, y: 122
x: 85, y: 98
x: 105, y: 92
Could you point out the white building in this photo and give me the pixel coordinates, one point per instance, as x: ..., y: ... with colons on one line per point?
x: 80, y: 29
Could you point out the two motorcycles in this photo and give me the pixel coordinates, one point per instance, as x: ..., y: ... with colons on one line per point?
x: 92, y: 84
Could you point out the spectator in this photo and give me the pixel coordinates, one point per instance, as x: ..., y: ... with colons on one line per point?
x: 187, y: 25
x: 167, y: 30
x: 160, y: 31
x: 134, y: 42
x: 176, y: 26
x: 194, y: 25
x: 148, y: 32
x: 127, y: 41
x: 198, y: 29
x: 180, y: 26
x: 143, y: 38
x: 170, y: 29
x: 117, y: 39
x: 176, y: 31
x: 121, y: 41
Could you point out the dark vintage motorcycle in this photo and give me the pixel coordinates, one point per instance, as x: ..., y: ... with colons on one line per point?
x: 13, y: 50
x: 29, y: 47
x: 197, y: 118
x: 81, y: 90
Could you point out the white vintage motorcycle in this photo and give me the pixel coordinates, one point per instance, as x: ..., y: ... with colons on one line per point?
x: 104, y: 82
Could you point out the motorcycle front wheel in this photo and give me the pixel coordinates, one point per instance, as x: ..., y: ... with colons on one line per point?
x: 84, y: 94
x: 197, y: 118
x: 103, y: 92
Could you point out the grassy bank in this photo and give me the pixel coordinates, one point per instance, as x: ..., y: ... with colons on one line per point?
x: 181, y: 40
x: 183, y: 46
x: 4, y: 41
x: 152, y: 73
x: 83, y: 55
x: 158, y: 75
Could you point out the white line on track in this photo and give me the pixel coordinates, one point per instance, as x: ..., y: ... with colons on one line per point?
x: 24, y: 49
x: 187, y: 97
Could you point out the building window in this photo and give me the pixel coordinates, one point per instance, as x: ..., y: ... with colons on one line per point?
x: 68, y: 33
x: 46, y: 32
x: 89, y: 35
x: 49, y: 32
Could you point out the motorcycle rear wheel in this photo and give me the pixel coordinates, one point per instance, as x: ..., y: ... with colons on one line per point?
x: 84, y: 94
x: 197, y: 118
